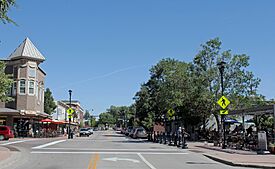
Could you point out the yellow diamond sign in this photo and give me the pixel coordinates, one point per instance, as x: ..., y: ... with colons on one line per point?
x: 223, y: 102
x: 70, y: 111
x: 223, y: 112
x: 171, y: 112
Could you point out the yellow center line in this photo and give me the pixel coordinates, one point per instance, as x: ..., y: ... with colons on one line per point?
x: 91, y: 162
x: 95, y: 161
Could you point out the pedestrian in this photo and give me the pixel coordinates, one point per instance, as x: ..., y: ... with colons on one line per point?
x: 184, y: 137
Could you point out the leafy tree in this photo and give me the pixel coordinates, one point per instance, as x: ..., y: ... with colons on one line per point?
x: 93, y: 122
x: 5, y: 6
x: 192, y: 89
x: 87, y: 115
x: 5, y: 83
x: 106, y: 118
x: 49, y: 104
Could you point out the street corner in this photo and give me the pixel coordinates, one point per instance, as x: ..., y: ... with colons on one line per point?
x: 230, y: 162
x: 5, y: 153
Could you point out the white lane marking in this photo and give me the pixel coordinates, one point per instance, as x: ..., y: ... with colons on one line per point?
x: 145, y: 161
x: 48, y: 144
x: 14, y: 142
x: 94, y: 152
x: 115, y: 159
x: 98, y: 149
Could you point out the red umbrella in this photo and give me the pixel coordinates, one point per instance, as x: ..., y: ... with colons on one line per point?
x: 47, y: 120
x: 58, y: 122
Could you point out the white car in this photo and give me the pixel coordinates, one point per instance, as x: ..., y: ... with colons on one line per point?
x: 84, y: 132
x: 91, y: 131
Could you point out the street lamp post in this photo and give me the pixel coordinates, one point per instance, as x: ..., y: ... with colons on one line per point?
x: 221, y: 66
x: 69, y: 130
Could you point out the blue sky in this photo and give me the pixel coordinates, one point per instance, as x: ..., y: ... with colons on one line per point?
x: 103, y: 49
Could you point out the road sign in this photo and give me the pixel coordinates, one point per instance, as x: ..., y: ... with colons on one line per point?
x: 69, y: 116
x: 223, y: 112
x: 171, y: 112
x: 223, y: 102
x: 70, y: 111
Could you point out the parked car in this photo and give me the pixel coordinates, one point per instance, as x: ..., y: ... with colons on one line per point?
x: 84, y: 132
x: 91, y: 130
x: 140, y: 132
x: 128, y: 130
x: 6, y: 133
x: 131, y: 134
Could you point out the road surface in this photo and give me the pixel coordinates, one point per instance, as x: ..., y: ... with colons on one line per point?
x: 103, y: 150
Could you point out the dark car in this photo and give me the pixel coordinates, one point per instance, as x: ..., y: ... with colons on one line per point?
x: 128, y: 130
x: 6, y: 133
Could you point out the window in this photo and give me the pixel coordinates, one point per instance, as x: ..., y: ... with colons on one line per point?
x: 14, y: 91
x: 22, y: 86
x: 9, y: 91
x: 31, y: 87
x: 32, y: 72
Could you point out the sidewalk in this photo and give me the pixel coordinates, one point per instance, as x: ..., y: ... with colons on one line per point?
x: 233, y: 157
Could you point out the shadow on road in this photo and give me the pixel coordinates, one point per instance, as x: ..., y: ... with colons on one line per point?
x: 113, y: 135
x: 131, y: 141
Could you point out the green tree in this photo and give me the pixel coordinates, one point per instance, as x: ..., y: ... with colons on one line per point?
x: 49, y: 104
x: 87, y: 115
x: 192, y: 89
x: 106, y: 118
x: 240, y: 84
x: 5, y: 83
x: 5, y: 6
x: 93, y: 122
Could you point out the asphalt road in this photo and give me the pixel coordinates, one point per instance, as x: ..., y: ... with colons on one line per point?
x: 103, y: 150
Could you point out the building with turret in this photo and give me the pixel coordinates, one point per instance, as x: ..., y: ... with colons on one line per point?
x: 27, y: 90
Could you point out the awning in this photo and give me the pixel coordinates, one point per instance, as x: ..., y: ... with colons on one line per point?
x: 8, y: 111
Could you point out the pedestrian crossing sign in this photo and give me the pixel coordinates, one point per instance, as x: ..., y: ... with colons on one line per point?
x: 171, y: 112
x: 223, y: 112
x: 223, y: 102
x: 70, y: 111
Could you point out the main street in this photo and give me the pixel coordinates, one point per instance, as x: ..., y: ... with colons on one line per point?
x: 102, y: 150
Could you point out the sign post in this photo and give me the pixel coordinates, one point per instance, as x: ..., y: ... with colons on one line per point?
x: 223, y: 102
x: 70, y: 112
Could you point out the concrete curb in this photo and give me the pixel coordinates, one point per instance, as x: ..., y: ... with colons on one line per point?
x: 227, y: 151
x: 230, y: 163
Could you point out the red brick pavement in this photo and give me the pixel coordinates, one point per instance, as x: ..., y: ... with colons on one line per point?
x: 234, y: 157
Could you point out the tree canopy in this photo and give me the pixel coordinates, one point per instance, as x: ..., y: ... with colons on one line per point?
x: 192, y: 89
x: 49, y: 104
x: 5, y: 6
x: 5, y: 83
